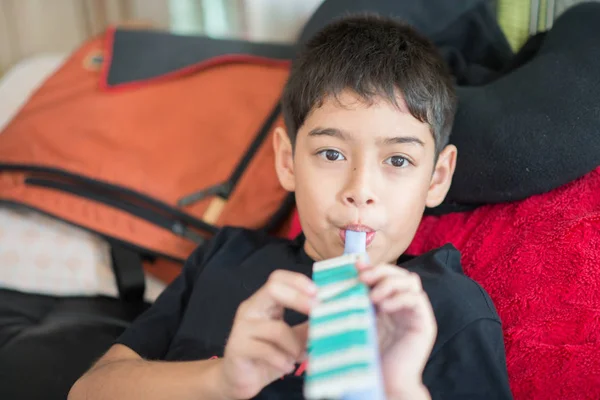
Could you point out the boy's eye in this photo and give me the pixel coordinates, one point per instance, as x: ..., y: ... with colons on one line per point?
x: 332, y: 155
x: 397, y: 161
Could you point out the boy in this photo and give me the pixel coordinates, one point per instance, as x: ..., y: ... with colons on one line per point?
x: 368, y: 110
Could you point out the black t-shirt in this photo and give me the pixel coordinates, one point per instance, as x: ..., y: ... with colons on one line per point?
x: 192, y: 318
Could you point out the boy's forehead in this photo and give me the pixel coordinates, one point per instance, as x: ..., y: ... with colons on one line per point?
x: 352, y: 113
x: 350, y: 100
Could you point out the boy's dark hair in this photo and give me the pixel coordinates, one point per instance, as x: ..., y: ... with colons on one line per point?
x: 374, y: 57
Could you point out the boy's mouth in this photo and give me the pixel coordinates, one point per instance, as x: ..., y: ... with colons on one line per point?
x: 358, y: 228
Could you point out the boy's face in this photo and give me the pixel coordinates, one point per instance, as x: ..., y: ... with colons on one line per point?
x: 362, y: 166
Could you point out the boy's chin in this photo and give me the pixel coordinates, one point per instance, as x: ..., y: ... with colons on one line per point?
x: 325, y: 250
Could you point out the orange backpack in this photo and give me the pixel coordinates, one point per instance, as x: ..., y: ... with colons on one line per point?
x: 153, y: 141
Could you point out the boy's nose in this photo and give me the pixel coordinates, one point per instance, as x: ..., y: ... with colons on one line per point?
x: 359, y: 190
x: 359, y: 199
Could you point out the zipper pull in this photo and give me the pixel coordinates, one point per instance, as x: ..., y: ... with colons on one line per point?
x: 181, y: 230
x: 222, y: 190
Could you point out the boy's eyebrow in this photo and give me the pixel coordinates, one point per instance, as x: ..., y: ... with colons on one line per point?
x: 328, y: 132
x: 385, y: 141
x: 400, y: 140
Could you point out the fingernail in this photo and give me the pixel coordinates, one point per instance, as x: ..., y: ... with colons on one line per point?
x: 303, y: 356
x: 312, y: 304
x: 366, y: 275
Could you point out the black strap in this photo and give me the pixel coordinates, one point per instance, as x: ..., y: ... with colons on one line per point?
x: 224, y: 189
x: 129, y: 273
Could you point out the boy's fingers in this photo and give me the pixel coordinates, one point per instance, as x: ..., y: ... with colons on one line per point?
x: 279, y: 334
x: 418, y: 302
x: 393, y: 284
x: 301, y: 333
x: 269, y: 354
x: 284, y: 289
x: 372, y: 275
x: 290, y: 290
x: 286, y: 296
x: 399, y: 302
x: 294, y: 279
x: 363, y: 266
x: 272, y: 373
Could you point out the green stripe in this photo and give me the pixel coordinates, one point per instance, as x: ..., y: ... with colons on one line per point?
x: 334, y: 317
x: 339, y: 342
x: 366, y: 367
x: 356, y: 290
x: 333, y: 275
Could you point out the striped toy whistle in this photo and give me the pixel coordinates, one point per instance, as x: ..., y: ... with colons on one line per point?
x: 343, y: 350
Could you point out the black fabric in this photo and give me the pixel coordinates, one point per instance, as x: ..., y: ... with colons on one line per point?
x: 47, y: 342
x: 192, y: 319
x: 129, y: 273
x: 466, y: 32
x: 138, y: 55
x: 537, y: 127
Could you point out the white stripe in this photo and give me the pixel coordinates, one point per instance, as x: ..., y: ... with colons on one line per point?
x: 349, y: 323
x: 337, y: 262
x: 329, y: 291
x: 336, y: 387
x: 336, y: 306
x: 340, y: 359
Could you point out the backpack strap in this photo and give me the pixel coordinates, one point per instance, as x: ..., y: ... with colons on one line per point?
x: 129, y: 273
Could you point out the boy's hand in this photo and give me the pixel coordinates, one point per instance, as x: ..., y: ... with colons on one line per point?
x: 406, y: 326
x: 262, y: 347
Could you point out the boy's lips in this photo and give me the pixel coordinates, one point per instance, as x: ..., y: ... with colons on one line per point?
x: 358, y: 228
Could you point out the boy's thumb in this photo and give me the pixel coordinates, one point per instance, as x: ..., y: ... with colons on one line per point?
x: 301, y: 332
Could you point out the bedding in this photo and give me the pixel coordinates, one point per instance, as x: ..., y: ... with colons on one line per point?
x: 539, y: 259
x: 35, y: 248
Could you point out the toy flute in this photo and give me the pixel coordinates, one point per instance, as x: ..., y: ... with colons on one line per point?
x: 343, y: 351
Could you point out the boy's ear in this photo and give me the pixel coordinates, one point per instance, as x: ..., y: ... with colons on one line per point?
x: 442, y: 176
x: 284, y: 159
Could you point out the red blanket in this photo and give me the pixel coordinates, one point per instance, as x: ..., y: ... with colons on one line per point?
x: 539, y: 259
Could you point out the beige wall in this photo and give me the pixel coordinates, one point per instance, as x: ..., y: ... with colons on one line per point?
x: 33, y: 26
x: 29, y: 27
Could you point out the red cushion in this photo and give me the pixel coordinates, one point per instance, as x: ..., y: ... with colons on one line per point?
x: 539, y: 259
